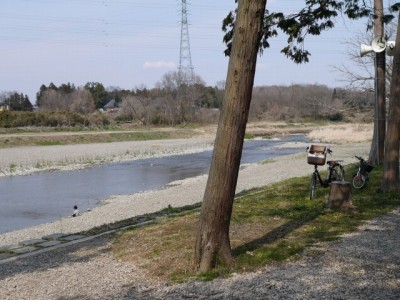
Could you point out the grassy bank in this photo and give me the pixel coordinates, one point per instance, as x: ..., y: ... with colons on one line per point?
x: 272, y: 224
x: 36, y: 136
x: 88, y: 137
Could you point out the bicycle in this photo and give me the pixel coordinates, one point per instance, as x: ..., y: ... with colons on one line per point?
x: 317, y: 157
x: 361, y: 177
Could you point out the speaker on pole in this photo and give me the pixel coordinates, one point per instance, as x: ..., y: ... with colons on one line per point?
x: 378, y: 45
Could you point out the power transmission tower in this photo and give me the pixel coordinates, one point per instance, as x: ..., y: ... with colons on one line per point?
x: 185, y: 68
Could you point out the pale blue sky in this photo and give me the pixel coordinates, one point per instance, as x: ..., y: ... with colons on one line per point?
x: 131, y: 43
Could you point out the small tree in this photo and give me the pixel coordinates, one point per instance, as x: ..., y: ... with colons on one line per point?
x: 138, y: 107
x: 179, y: 99
x: 98, y: 92
x: 52, y: 100
x: 81, y: 101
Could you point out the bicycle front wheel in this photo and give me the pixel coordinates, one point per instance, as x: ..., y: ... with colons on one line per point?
x: 359, y: 181
x: 313, y: 185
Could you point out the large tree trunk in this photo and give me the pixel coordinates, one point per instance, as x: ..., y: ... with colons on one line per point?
x: 213, y: 232
x: 376, y: 155
x: 390, y: 181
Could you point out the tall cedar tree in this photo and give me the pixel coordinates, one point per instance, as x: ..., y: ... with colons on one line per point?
x: 213, y: 235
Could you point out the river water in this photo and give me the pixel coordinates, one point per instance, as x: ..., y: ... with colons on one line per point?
x: 48, y: 196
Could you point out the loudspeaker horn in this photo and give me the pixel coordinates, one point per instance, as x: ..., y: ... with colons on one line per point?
x: 390, y: 48
x: 378, y: 44
x: 365, y: 49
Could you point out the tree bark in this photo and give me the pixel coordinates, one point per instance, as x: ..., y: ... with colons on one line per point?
x: 213, y: 232
x: 390, y: 181
x: 376, y: 155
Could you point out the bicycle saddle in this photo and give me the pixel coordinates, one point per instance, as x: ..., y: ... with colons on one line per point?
x: 333, y: 162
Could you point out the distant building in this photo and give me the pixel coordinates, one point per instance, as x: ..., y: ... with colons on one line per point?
x: 110, y: 106
x: 4, y: 106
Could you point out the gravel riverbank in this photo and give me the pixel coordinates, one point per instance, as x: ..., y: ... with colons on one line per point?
x: 177, y: 194
x: 364, y: 265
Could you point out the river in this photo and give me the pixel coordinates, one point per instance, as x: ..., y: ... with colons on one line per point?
x: 48, y: 196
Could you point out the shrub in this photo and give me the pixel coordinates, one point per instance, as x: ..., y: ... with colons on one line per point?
x: 13, y: 119
x: 335, y: 117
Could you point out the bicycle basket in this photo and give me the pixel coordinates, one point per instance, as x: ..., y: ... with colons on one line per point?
x: 365, y: 168
x: 316, y: 155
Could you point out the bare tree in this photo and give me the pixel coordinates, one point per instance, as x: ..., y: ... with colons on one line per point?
x: 179, y: 99
x: 52, y: 100
x: 81, y: 101
x: 138, y: 107
x: 299, y: 101
x: 358, y: 72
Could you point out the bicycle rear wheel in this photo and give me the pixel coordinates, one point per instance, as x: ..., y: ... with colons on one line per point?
x: 313, y: 185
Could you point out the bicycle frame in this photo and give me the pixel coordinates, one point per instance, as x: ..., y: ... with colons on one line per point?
x: 324, y: 183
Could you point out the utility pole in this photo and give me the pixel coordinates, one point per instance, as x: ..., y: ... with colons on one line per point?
x: 378, y: 141
x: 185, y: 59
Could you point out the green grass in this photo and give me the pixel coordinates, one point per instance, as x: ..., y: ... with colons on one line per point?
x: 48, y: 143
x: 273, y: 224
x: 248, y: 136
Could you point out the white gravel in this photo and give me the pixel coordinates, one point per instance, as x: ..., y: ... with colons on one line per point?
x: 364, y: 265
x: 26, y: 160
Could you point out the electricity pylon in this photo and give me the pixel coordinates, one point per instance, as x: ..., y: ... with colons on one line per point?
x: 185, y: 68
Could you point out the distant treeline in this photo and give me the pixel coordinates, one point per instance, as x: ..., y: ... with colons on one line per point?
x: 13, y: 119
x: 296, y: 102
x: 172, y: 103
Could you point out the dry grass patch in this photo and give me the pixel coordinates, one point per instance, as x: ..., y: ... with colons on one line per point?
x: 165, y: 250
x: 264, y: 128
x: 162, y: 249
x: 343, y: 133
